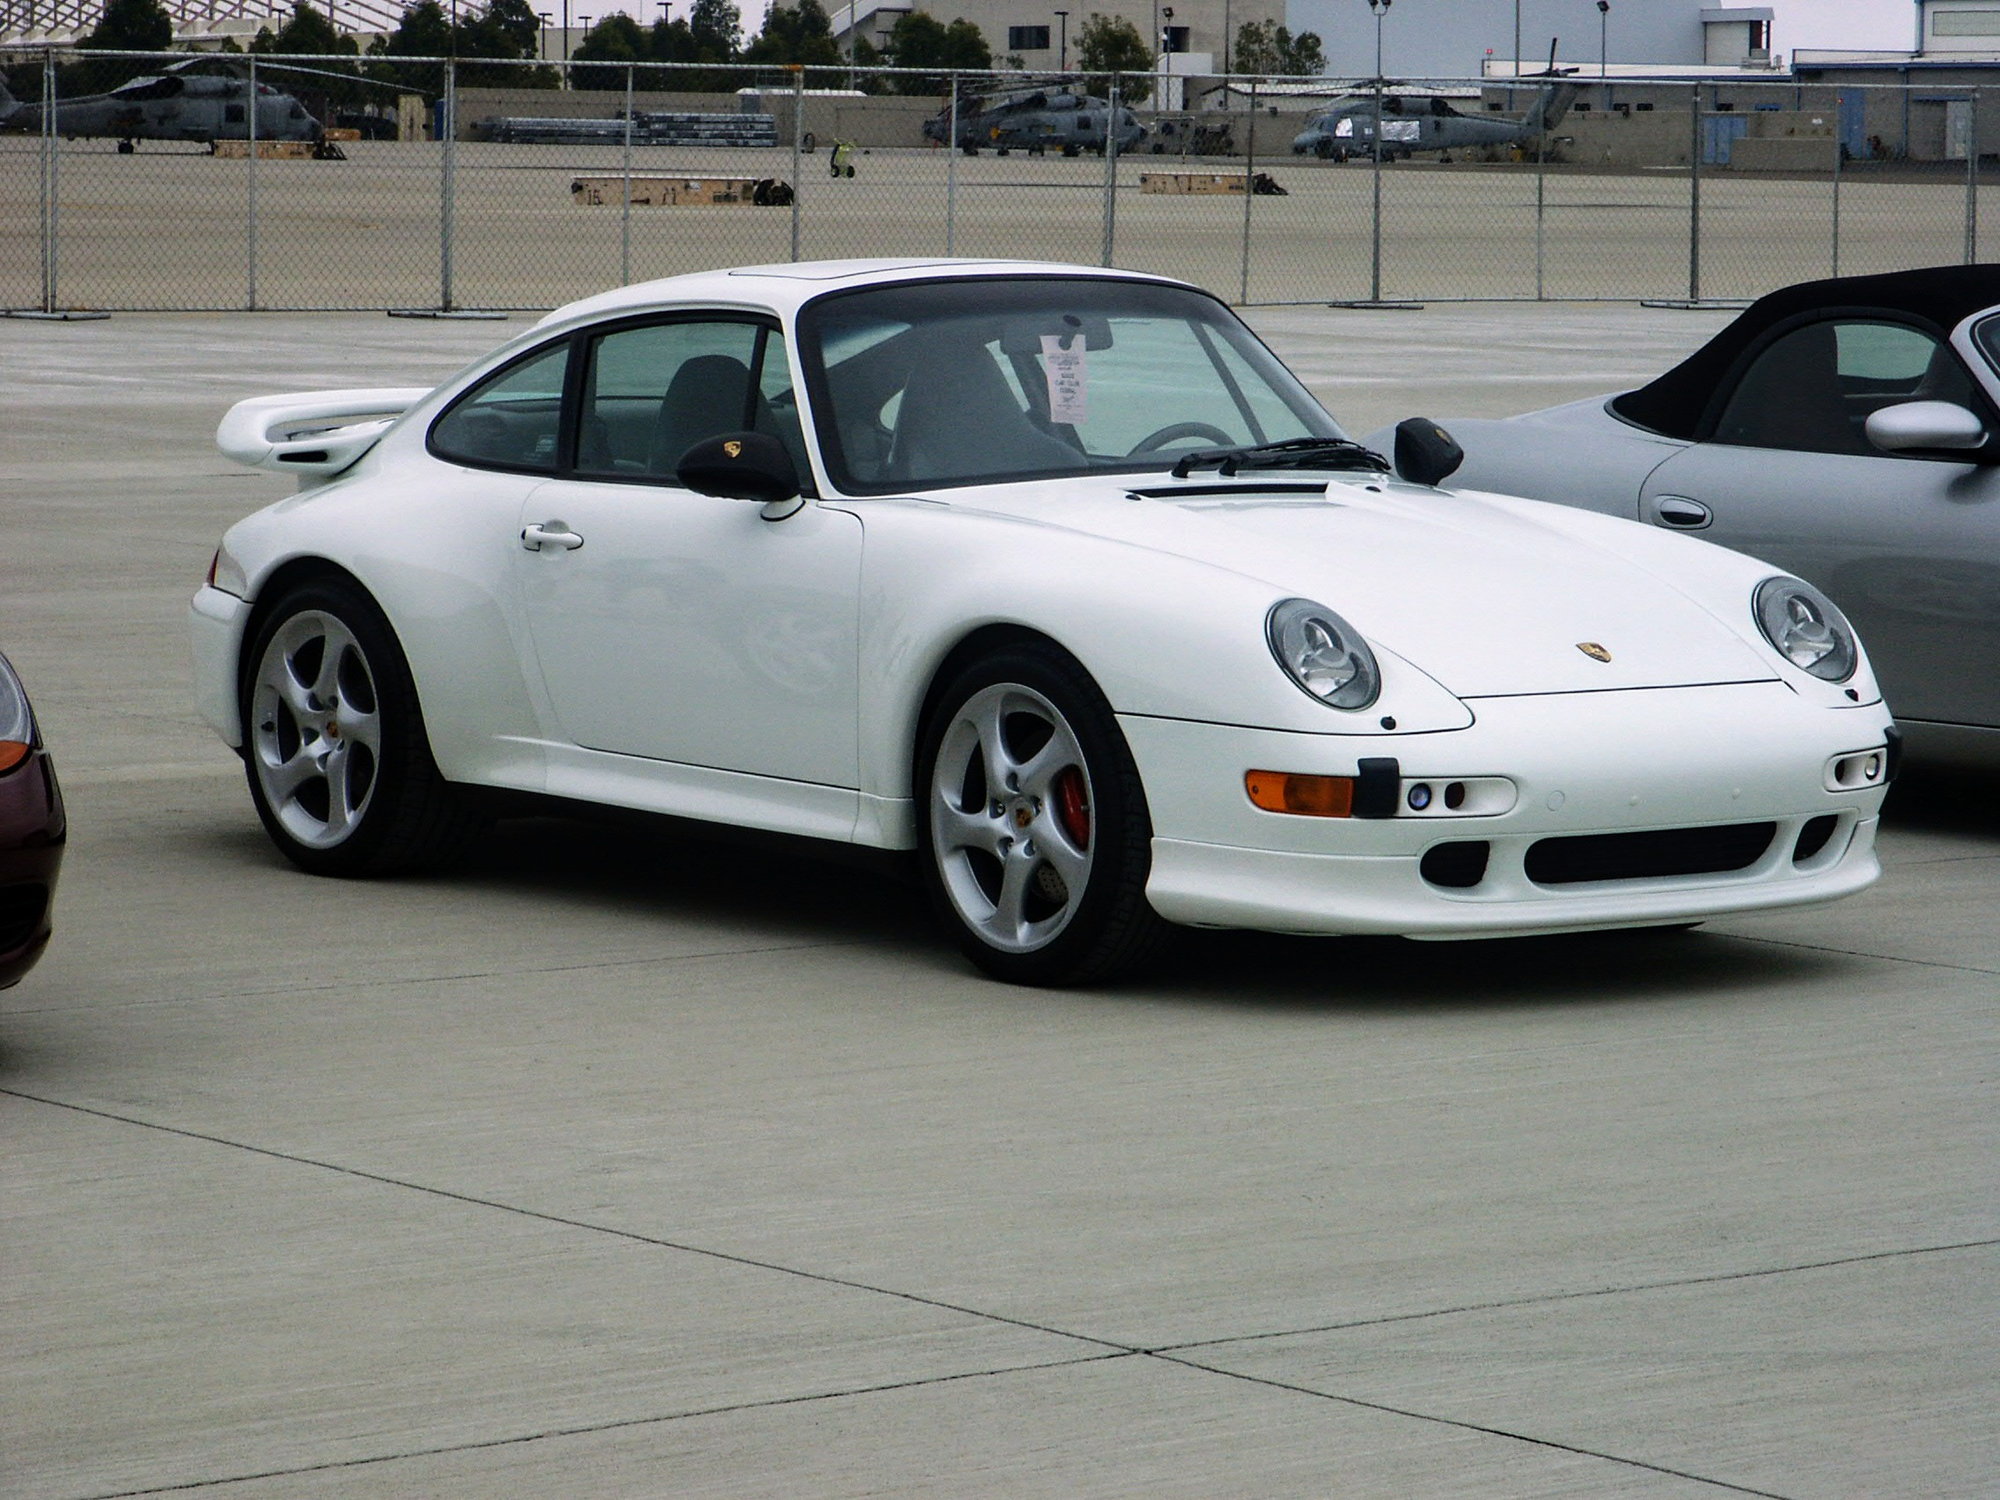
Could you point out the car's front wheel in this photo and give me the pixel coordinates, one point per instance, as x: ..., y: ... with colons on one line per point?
x: 1036, y: 832
x: 339, y: 766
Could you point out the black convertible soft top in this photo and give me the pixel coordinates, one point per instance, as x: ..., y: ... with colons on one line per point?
x: 1938, y: 296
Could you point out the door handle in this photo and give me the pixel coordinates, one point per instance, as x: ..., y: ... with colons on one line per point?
x: 1680, y: 512
x: 550, y: 534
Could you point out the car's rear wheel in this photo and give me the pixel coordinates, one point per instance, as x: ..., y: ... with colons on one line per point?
x: 1036, y: 833
x: 339, y: 765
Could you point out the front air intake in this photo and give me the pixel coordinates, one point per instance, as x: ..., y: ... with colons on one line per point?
x: 1656, y: 855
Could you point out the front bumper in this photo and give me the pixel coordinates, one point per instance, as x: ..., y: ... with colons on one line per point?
x: 1579, y: 765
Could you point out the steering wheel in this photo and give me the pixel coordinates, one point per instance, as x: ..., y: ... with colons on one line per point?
x: 1179, y: 432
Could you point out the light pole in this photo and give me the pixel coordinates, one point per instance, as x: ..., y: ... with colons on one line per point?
x: 1379, y: 8
x: 1603, y: 24
x: 544, y: 17
x: 1062, y: 57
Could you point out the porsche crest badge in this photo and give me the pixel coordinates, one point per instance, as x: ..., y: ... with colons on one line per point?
x: 733, y: 448
x: 1594, y: 651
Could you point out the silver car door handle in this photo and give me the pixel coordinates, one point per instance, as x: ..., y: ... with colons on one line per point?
x: 1680, y: 512
x: 550, y: 534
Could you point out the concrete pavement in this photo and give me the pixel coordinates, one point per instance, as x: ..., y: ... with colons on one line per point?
x: 615, y: 1164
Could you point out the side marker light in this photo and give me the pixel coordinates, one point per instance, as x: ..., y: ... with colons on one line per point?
x: 1307, y: 796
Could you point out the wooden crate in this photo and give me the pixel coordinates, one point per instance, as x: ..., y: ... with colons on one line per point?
x: 266, y: 149
x: 663, y: 191
x: 1191, y: 182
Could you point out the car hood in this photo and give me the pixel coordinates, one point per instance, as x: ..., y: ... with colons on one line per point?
x: 1486, y: 600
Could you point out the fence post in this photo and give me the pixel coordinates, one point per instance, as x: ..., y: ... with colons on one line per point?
x: 1375, y: 233
x: 951, y: 170
x: 798, y: 146
x: 1111, y: 174
x: 1972, y: 178
x: 625, y: 221
x: 1541, y: 200
x: 250, y: 247
x: 1839, y: 159
x: 448, y: 129
x: 1694, y: 195
x: 48, y: 144
x: 1249, y: 190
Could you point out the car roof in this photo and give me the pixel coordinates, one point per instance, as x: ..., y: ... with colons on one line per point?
x: 1939, y: 297
x: 783, y: 287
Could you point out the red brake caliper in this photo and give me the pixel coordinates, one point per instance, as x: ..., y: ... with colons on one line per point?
x: 1073, y: 806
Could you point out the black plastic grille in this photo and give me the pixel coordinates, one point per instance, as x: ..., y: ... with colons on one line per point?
x: 1648, y: 856
x: 1456, y: 866
x: 1813, y: 837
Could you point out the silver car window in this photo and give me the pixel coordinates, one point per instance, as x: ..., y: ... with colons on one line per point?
x: 1813, y: 389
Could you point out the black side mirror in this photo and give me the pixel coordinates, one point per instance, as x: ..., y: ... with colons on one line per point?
x: 1425, y: 453
x: 740, y: 466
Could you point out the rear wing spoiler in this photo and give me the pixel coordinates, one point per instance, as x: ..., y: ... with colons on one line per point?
x: 312, y: 434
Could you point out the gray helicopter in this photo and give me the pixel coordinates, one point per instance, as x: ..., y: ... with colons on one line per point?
x: 179, y: 103
x: 1056, y: 116
x: 1425, y: 122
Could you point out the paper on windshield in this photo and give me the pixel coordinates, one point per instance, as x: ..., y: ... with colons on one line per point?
x: 1064, y: 368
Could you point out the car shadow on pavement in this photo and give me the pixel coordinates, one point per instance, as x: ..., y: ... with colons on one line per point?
x: 1388, y: 974
x: 1940, y: 799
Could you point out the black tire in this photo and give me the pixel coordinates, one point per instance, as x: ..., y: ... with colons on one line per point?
x: 339, y: 765
x: 1004, y: 847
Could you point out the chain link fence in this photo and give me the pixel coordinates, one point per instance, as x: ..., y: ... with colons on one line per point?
x: 440, y: 185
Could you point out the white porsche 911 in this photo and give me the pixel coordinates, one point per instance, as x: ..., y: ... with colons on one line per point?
x: 1054, y: 576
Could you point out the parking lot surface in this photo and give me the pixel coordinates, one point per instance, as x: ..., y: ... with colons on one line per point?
x: 619, y: 1162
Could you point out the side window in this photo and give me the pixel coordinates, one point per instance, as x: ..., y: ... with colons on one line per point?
x: 1814, y: 388
x: 509, y: 421
x: 652, y: 392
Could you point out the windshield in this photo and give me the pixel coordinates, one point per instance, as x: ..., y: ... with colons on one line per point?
x: 963, y: 382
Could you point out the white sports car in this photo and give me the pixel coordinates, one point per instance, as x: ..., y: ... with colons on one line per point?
x: 1052, y: 575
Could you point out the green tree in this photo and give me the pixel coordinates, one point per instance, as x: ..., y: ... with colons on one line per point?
x: 130, y: 26
x: 125, y: 26
x: 1111, y: 45
x: 1271, y: 50
x: 308, y: 33
x: 920, y: 41
x: 715, y: 26
x: 804, y: 35
x: 615, y: 39
x: 506, y: 29
x: 423, y: 31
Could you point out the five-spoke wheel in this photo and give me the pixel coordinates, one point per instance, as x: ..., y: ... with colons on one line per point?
x: 1037, y: 832
x: 338, y: 763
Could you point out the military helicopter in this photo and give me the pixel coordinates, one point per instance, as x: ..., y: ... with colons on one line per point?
x: 1425, y: 122
x: 178, y: 103
x: 1056, y: 115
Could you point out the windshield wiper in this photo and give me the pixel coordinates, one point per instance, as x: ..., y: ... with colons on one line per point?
x: 1292, y: 453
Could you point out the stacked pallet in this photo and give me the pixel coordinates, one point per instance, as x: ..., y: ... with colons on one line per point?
x: 660, y: 128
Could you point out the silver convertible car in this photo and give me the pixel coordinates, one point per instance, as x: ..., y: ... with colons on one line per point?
x: 1847, y: 431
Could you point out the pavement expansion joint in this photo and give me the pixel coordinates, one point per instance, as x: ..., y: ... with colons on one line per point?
x: 1111, y: 1346
x: 1167, y: 1351
x: 1464, y: 1426
x: 587, y: 1429
x: 1887, y: 958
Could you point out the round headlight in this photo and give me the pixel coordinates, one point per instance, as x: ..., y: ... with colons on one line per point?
x: 1807, y: 628
x: 1323, y: 654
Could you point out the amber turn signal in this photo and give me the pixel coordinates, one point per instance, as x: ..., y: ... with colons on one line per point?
x: 12, y: 753
x: 1308, y: 796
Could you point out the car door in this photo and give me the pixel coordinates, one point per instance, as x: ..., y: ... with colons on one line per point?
x: 681, y: 627
x: 1908, y: 546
